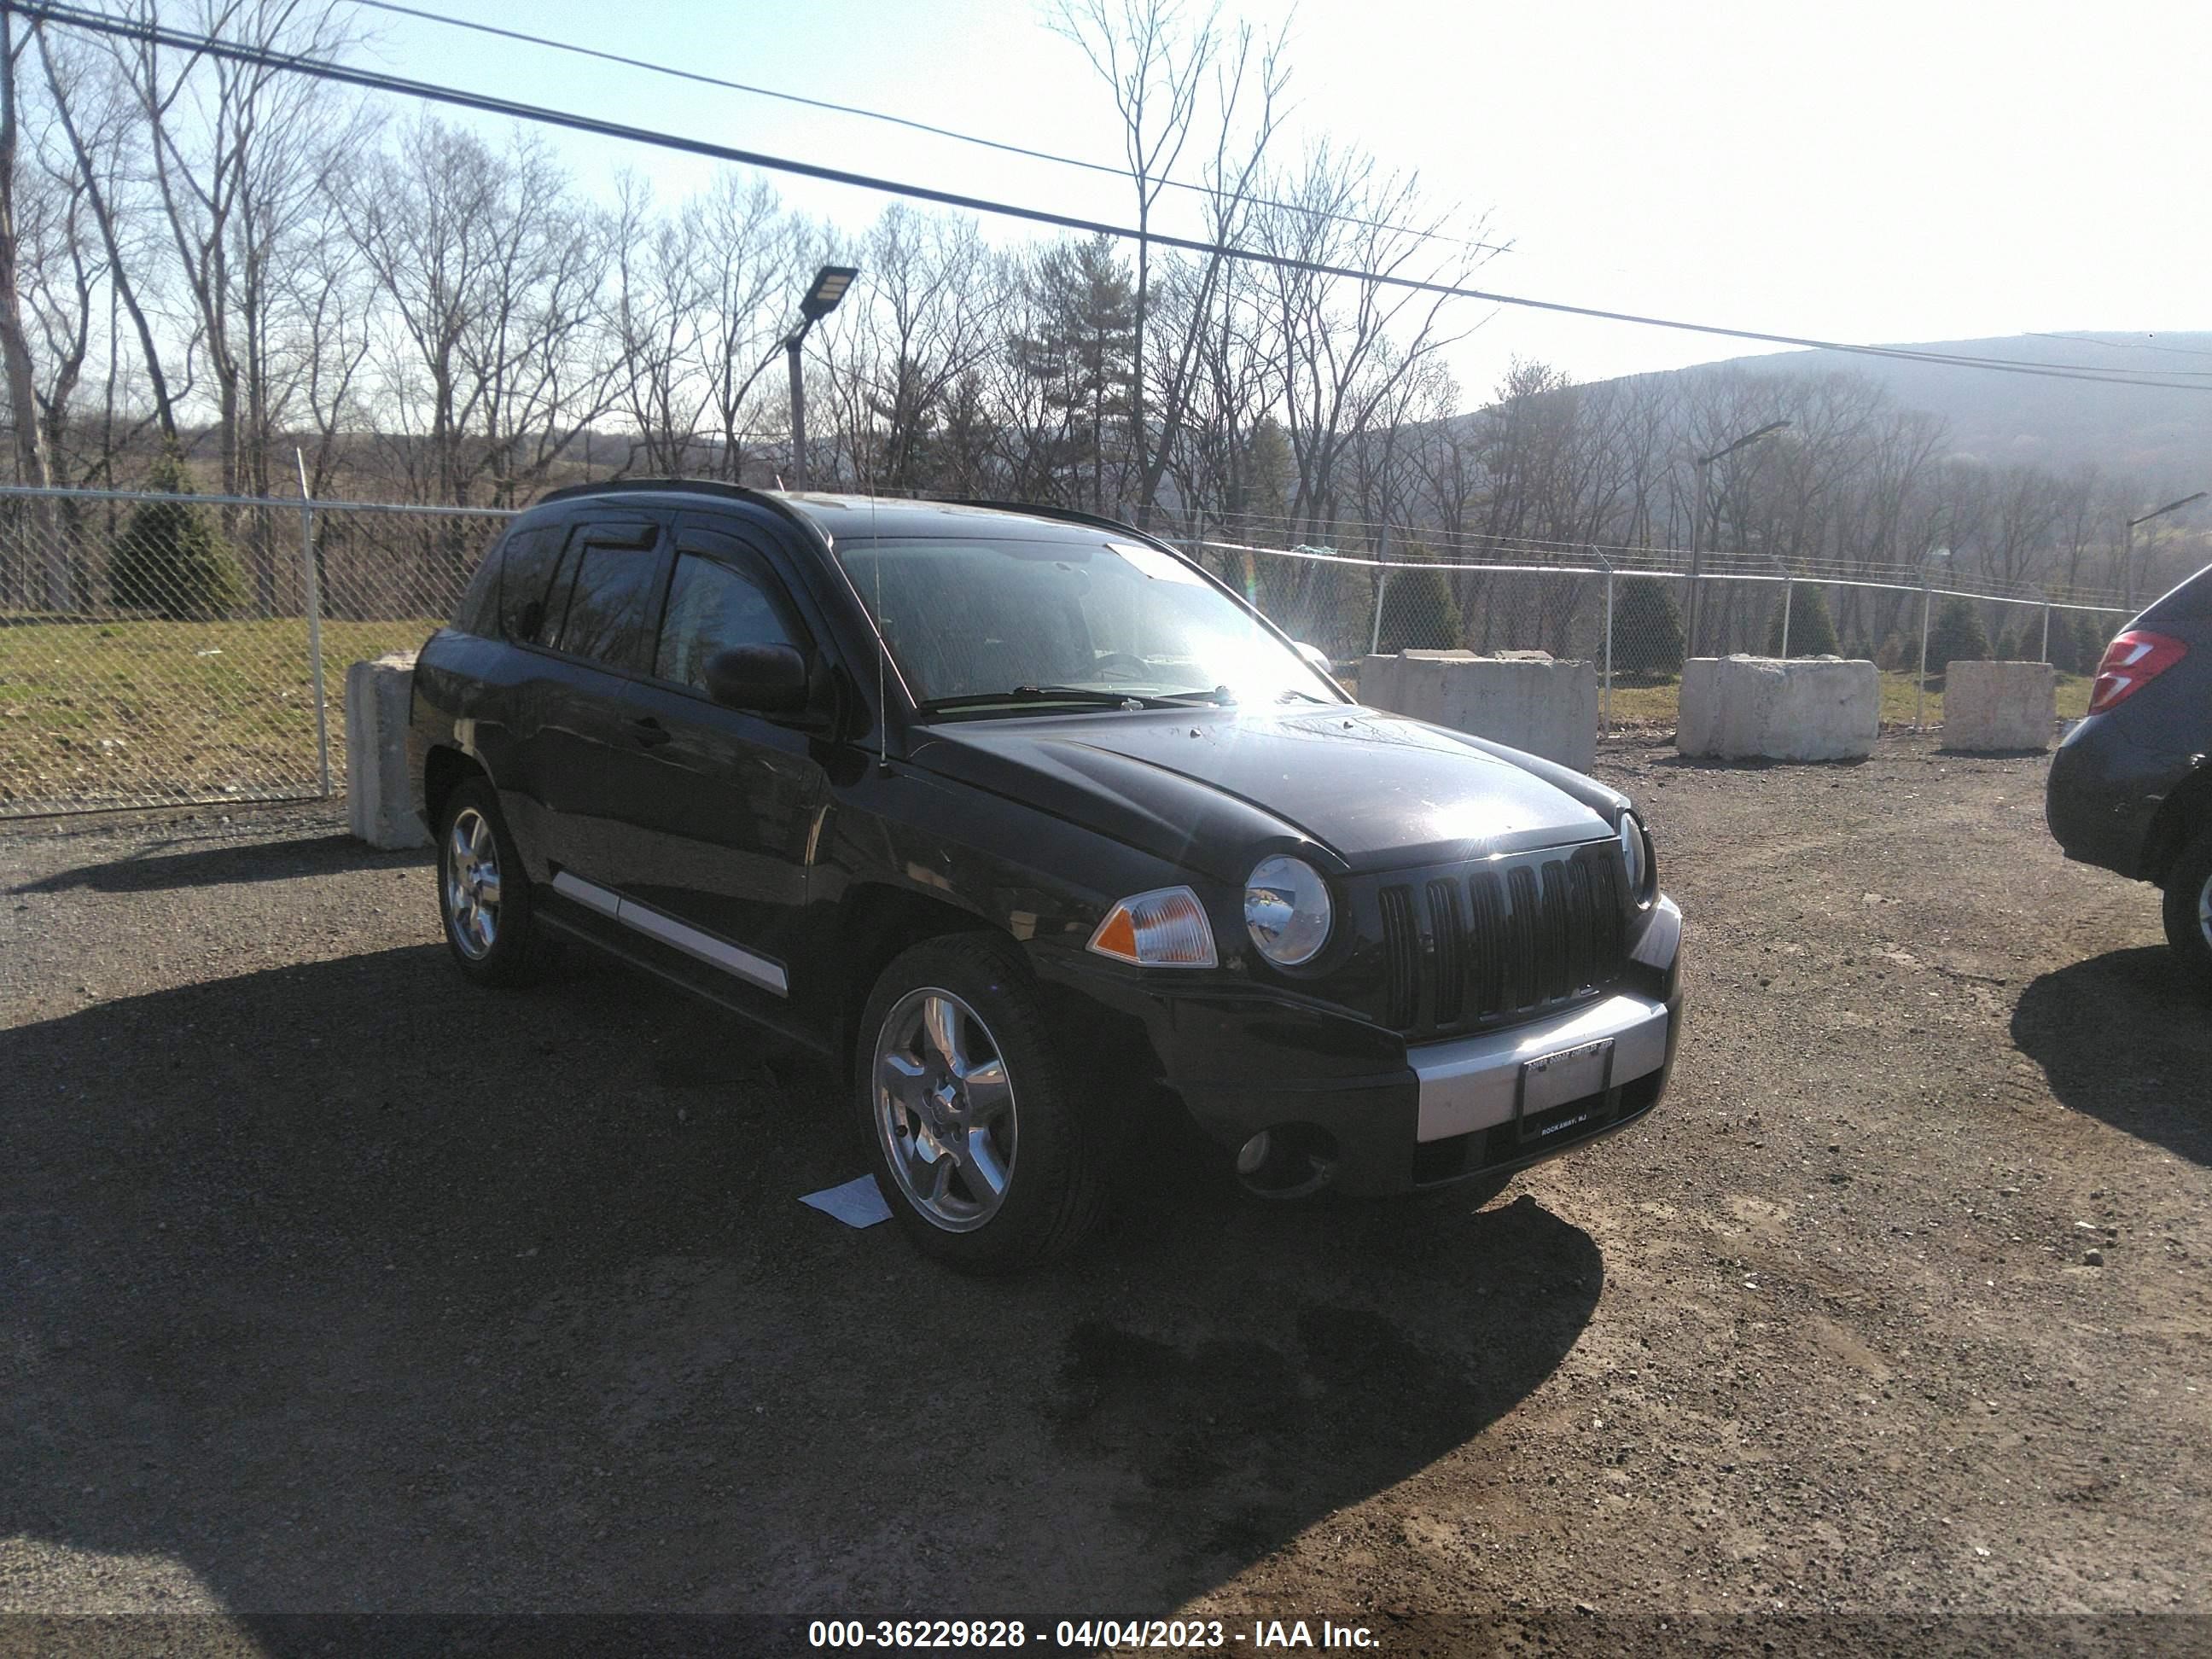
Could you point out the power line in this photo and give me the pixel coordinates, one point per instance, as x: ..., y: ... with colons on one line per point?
x: 1108, y: 169
x: 484, y: 103
x: 2126, y: 345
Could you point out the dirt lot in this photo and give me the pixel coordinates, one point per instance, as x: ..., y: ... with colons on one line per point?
x: 335, y: 1285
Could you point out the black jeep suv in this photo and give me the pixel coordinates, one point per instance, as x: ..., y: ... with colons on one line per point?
x: 1027, y: 821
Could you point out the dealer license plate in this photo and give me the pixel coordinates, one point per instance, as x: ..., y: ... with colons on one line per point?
x: 1553, y: 1081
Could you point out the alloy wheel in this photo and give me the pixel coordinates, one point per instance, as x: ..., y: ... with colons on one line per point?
x: 472, y: 885
x: 945, y: 1110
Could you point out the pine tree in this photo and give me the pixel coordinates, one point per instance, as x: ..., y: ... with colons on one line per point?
x: 2065, y: 643
x: 1957, y: 637
x: 1419, y: 610
x: 169, y: 559
x: 1269, y: 470
x: 1647, y: 632
x: 1083, y: 355
x: 2092, y: 634
x: 1812, y: 630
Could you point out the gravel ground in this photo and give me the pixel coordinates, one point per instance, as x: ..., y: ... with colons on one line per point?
x: 336, y: 1285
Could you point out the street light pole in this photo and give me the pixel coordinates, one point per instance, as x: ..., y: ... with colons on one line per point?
x: 822, y: 297
x: 2128, y: 549
x: 797, y: 411
x: 1700, y: 470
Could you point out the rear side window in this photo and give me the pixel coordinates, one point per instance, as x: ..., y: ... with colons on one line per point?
x: 607, y: 618
x: 478, y: 610
x: 711, y: 607
x: 525, y: 576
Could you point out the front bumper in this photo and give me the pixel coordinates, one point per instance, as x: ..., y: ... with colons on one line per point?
x: 1402, y: 1117
x: 1478, y: 1083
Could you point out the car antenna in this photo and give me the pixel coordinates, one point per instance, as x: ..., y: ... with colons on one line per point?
x: 883, y: 647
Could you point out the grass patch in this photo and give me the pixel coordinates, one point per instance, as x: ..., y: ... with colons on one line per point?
x: 1656, y: 703
x: 107, y: 712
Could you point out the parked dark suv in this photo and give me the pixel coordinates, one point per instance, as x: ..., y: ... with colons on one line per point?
x: 2130, y: 788
x: 1030, y: 824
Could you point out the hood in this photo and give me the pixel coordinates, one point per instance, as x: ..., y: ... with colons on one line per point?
x: 1206, y: 786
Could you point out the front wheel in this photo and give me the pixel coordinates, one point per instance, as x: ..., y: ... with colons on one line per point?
x: 989, y: 1153
x: 2188, y: 906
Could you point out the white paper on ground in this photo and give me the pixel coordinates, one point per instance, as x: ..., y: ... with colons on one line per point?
x: 857, y: 1203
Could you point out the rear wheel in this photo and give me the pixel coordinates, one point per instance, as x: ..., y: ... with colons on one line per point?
x: 483, y: 893
x: 991, y: 1155
x: 2188, y: 906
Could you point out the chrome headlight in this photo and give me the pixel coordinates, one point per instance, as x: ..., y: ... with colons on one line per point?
x: 1286, y: 910
x: 1636, y: 857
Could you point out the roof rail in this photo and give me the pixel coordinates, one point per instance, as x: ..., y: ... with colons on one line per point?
x: 728, y: 492
x: 1067, y: 515
x: 622, y: 486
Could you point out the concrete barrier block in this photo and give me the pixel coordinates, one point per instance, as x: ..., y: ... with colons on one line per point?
x: 378, y: 808
x: 1694, y: 706
x: 1527, y: 699
x: 1803, y: 708
x: 1997, y: 708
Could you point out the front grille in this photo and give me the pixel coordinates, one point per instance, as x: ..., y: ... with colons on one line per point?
x: 1502, y: 940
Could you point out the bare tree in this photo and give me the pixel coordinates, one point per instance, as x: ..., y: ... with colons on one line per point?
x: 491, y: 276
x: 924, y: 321
x: 1155, y: 64
x: 240, y: 154
x: 100, y: 119
x: 748, y: 257
x: 30, y: 431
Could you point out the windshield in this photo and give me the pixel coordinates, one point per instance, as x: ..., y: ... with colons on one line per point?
x: 989, y: 622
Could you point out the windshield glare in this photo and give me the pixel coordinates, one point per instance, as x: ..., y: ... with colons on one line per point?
x: 981, y: 619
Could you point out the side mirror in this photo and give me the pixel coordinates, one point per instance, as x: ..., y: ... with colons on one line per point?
x: 1316, y: 657
x: 761, y: 679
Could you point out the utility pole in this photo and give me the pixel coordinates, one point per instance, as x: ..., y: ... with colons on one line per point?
x: 2128, y: 549
x: 798, y: 480
x: 1701, y: 467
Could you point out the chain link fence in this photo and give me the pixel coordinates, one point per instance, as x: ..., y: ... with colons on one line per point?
x: 162, y: 650
x: 1637, y: 624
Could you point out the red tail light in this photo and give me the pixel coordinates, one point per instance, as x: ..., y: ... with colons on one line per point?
x: 2131, y: 662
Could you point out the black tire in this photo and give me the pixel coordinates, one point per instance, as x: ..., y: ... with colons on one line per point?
x: 2188, y: 907
x: 1056, y: 1150
x: 515, y: 952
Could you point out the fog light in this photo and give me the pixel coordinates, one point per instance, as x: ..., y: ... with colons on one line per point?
x: 1253, y: 1154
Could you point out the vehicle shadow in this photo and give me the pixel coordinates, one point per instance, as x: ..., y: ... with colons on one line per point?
x: 226, y: 864
x: 2123, y: 1037
x: 351, y: 1287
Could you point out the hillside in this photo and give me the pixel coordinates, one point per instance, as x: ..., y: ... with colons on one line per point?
x: 2162, y: 437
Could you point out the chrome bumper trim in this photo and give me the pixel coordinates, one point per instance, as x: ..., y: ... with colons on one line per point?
x: 1472, y: 1082
x: 732, y: 959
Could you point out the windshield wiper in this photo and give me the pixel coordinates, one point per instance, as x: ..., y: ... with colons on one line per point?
x: 1079, y: 696
x: 1224, y: 697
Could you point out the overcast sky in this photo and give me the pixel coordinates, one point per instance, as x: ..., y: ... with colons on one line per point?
x: 1867, y: 172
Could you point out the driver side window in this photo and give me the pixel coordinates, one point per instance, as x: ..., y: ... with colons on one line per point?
x: 713, y: 606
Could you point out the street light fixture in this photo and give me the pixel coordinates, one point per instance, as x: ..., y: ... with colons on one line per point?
x: 821, y: 299
x: 1702, y: 466
x: 2128, y: 553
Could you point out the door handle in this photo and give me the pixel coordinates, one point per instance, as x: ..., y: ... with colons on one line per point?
x: 649, y: 732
